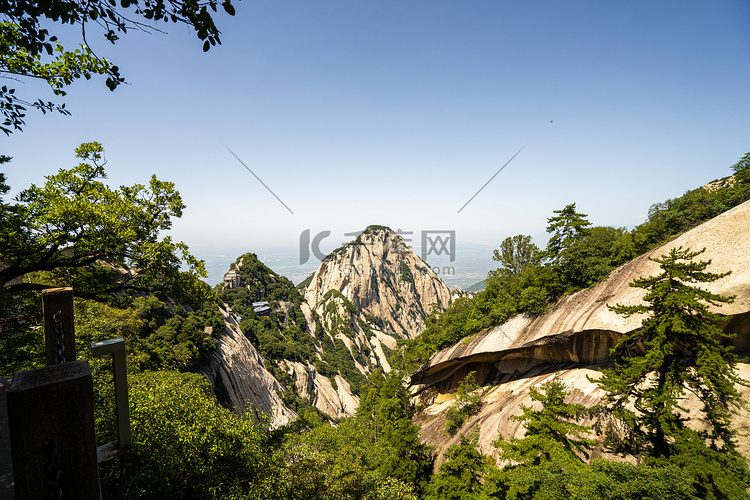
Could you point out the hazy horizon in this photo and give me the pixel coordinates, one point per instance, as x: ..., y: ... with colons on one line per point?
x: 471, y: 264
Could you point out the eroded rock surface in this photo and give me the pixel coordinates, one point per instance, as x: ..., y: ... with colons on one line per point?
x: 574, y: 339
x: 581, y: 328
x: 382, y: 277
x: 502, y: 401
x: 237, y: 366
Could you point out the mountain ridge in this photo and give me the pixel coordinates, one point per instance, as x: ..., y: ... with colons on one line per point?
x: 321, y: 342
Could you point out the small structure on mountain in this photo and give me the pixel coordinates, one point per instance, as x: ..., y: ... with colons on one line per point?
x: 261, y: 308
x: 232, y: 279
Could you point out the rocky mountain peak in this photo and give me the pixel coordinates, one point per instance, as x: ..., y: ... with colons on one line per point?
x: 389, y: 286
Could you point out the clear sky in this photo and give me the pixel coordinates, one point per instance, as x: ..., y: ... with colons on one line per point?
x: 397, y: 113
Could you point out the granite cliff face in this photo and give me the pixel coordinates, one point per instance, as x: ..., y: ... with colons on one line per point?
x: 382, y: 278
x: 323, y: 344
x: 237, y: 368
x: 575, y: 336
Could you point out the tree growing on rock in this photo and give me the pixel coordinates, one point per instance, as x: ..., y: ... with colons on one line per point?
x: 461, y: 474
x: 552, y: 447
x: 683, y: 353
x: 468, y: 402
x: 553, y: 434
x: 678, y: 350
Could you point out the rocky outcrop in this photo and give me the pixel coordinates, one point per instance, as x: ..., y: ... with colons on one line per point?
x: 574, y: 339
x: 383, y: 278
x: 332, y: 397
x: 581, y: 328
x: 364, y: 296
x: 237, y: 367
x: 502, y: 401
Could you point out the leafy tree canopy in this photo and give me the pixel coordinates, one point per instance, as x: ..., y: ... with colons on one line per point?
x: 29, y: 50
x: 186, y: 445
x: 77, y: 231
x: 515, y: 254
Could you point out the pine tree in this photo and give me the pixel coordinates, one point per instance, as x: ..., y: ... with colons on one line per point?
x: 553, y: 435
x: 683, y: 353
x: 460, y: 475
x: 549, y: 452
x: 567, y: 227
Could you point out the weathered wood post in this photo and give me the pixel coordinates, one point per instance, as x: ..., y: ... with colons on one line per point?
x: 53, y: 441
x: 59, y: 331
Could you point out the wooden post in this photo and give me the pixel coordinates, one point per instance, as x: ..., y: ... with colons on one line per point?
x: 53, y: 441
x: 57, y: 309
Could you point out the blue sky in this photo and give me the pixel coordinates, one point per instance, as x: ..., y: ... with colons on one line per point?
x: 396, y: 113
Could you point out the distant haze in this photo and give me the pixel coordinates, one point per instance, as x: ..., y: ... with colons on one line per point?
x: 471, y: 264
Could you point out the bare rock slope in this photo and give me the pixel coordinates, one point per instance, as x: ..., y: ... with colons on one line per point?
x: 575, y: 336
x: 237, y: 366
x: 383, y: 278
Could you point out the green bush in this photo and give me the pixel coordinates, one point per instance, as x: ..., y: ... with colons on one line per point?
x: 186, y: 445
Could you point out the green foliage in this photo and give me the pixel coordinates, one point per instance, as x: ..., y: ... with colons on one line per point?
x: 683, y: 352
x: 714, y: 473
x: 64, y: 68
x: 156, y: 337
x: 385, y: 414
x: 336, y: 463
x: 742, y: 164
x: 281, y: 334
x: 602, y: 480
x: 28, y: 50
x: 553, y: 437
x: 374, y: 320
x: 405, y: 272
x: 467, y: 403
x: 305, y: 282
x: 516, y: 253
x: 461, y: 474
x: 345, y: 364
x: 591, y: 258
x: 548, y: 460
x: 374, y: 455
x: 335, y: 294
x: 674, y: 216
x: 187, y: 446
x: 76, y: 231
